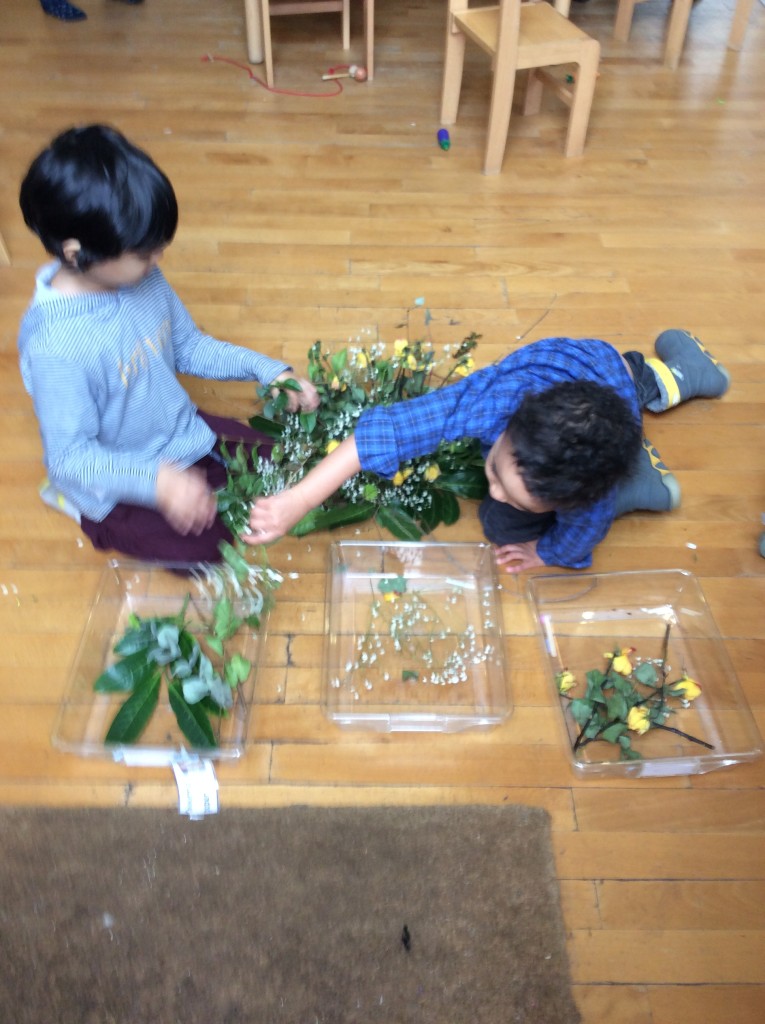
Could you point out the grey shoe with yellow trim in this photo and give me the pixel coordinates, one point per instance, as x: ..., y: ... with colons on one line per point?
x: 650, y: 486
x: 684, y: 369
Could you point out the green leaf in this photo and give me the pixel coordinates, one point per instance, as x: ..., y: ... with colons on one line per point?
x: 581, y: 710
x: 398, y: 522
x: 237, y: 670
x: 192, y: 720
x: 131, y: 719
x: 127, y: 673
x: 617, y: 707
x: 330, y: 519
x: 215, y: 644
x: 266, y: 426
x: 646, y: 674
x: 308, y: 422
x: 408, y: 674
x: 338, y: 361
x: 613, y: 732
x: 465, y: 483
x: 449, y: 507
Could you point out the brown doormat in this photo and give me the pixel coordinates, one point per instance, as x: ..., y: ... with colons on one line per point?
x: 298, y: 915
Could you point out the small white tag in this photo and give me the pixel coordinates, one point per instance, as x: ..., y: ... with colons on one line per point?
x: 197, y: 788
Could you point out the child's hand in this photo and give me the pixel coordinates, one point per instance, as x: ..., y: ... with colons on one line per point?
x: 305, y: 400
x: 517, y: 557
x: 271, y: 518
x: 185, y: 500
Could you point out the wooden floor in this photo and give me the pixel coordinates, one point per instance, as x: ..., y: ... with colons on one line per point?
x: 306, y: 217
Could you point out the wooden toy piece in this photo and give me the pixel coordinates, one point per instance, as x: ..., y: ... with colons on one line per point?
x: 355, y: 72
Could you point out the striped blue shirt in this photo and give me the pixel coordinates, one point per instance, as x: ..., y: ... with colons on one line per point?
x: 102, y: 372
x: 480, y: 405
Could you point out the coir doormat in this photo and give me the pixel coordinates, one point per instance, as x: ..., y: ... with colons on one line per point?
x: 298, y: 915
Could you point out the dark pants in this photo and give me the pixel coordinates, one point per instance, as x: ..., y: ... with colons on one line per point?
x: 503, y: 524
x: 145, y: 534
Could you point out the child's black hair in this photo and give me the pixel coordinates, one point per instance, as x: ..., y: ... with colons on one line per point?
x: 573, y: 442
x: 92, y: 185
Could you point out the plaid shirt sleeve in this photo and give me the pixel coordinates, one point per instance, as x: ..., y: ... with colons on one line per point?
x: 573, y: 536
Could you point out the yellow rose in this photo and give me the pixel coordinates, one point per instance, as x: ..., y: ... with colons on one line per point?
x: 621, y: 661
x: 334, y: 443
x: 637, y: 720
x: 465, y: 368
x: 398, y: 479
x: 335, y: 383
x: 361, y: 360
x: 411, y: 361
x: 565, y: 681
x: 686, y: 688
x: 390, y: 595
x: 433, y: 472
x: 400, y: 346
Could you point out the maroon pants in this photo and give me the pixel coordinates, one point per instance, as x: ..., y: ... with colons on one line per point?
x: 145, y: 534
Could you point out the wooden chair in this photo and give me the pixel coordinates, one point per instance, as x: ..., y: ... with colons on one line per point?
x: 520, y: 37
x: 258, y: 14
x: 678, y: 26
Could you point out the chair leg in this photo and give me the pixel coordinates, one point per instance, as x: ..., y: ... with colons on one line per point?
x: 267, y: 51
x: 678, y: 27
x: 740, y: 20
x: 346, y: 20
x: 532, y: 102
x: 623, y: 23
x: 502, y: 88
x: 369, y: 37
x: 581, y: 101
x: 454, y: 60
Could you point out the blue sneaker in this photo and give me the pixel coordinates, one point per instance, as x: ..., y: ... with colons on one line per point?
x: 62, y: 10
x: 685, y: 370
x: 650, y: 487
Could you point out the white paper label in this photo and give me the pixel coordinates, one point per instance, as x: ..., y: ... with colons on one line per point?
x: 197, y: 788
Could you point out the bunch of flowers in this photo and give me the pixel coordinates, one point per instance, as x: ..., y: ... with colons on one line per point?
x: 626, y: 699
x: 424, y: 491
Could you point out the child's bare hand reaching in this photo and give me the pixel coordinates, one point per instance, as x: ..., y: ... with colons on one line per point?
x: 517, y: 557
x: 185, y: 500
x: 305, y: 400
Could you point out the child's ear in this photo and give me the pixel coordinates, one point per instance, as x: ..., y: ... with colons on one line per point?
x: 71, y: 249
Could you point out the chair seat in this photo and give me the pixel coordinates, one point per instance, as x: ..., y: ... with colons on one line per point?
x: 545, y: 39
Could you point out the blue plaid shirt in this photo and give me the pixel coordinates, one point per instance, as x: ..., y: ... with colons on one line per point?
x: 480, y: 405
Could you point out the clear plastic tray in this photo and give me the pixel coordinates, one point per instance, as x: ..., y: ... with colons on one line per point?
x: 583, y: 617
x: 85, y: 715
x: 414, y: 638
